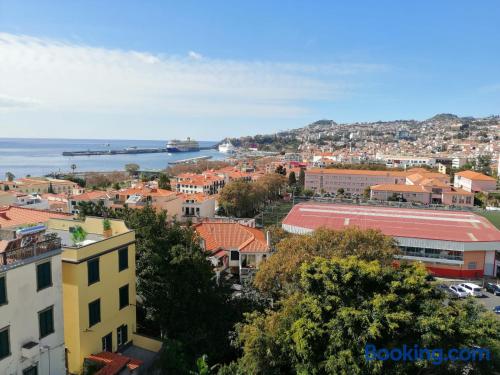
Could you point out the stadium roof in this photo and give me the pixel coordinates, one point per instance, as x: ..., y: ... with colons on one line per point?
x: 397, y: 222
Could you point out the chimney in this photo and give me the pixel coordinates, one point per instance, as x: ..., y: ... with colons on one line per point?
x: 268, y: 239
x: 3, y: 215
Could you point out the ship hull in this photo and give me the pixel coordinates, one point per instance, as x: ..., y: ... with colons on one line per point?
x: 182, y: 149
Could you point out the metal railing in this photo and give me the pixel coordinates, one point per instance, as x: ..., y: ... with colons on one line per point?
x: 15, y: 255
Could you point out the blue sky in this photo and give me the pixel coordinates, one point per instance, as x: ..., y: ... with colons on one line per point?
x: 163, y: 69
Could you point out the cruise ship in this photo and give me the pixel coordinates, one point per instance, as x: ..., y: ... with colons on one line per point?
x: 227, y: 148
x: 183, y: 146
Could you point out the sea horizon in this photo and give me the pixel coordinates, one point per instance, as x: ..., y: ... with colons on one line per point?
x: 43, y: 156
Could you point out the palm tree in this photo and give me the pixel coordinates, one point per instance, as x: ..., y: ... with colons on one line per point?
x: 9, y: 176
x: 73, y: 167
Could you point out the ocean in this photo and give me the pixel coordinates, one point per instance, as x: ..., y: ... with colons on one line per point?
x: 38, y: 157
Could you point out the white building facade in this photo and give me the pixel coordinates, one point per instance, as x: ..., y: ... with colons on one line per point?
x: 31, y: 320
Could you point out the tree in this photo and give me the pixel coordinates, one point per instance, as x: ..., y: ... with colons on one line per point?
x: 302, y: 178
x: 272, y: 185
x: 6, y: 188
x: 9, y: 176
x: 164, y: 182
x: 277, y: 234
x: 280, y: 170
x: 132, y: 168
x: 94, y: 209
x: 341, y: 191
x: 176, y: 284
x: 292, y: 179
x: 342, y: 305
x: 50, y: 189
x: 79, y: 235
x: 483, y: 164
x: 73, y: 167
x: 308, y: 192
x: 241, y: 198
x: 366, y: 192
x: 279, y: 274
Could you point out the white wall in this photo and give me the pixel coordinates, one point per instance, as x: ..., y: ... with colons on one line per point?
x: 21, y: 315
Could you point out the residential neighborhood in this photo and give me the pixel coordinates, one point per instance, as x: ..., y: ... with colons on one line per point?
x: 249, y: 188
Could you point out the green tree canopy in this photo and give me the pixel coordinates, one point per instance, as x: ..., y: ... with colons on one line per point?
x: 279, y: 274
x: 132, y: 168
x: 241, y: 198
x: 164, y: 182
x: 292, y: 179
x: 341, y: 305
x: 272, y: 185
x: 9, y: 176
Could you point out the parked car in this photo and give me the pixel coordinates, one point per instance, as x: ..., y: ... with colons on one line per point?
x: 493, y: 289
x: 496, y: 309
x: 458, y: 291
x: 446, y: 290
x: 472, y: 289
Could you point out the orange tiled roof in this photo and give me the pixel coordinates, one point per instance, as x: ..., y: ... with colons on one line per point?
x: 198, y: 197
x: 400, y: 188
x: 458, y: 191
x: 471, y: 175
x: 90, y: 195
x: 12, y: 216
x: 232, y: 236
x: 147, y: 191
x: 114, y: 363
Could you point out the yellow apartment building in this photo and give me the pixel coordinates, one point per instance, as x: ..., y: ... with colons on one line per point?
x: 99, y: 293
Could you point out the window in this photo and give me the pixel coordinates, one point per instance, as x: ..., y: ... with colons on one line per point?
x: 107, y: 343
x: 124, y: 301
x: 3, y: 290
x: 122, y: 259
x: 93, y: 271
x: 235, y: 255
x: 32, y: 370
x: 4, y: 343
x: 43, y: 275
x: 122, y: 335
x: 94, y: 312
x: 46, y: 321
x: 472, y: 265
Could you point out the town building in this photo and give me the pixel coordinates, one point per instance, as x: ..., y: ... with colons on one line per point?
x: 198, y: 206
x: 401, y: 161
x: 352, y: 181
x: 91, y: 196
x: 40, y: 185
x: 448, y: 243
x: 99, y: 290
x: 159, y: 199
x: 191, y: 183
x: 423, y: 187
x: 474, y: 182
x: 234, y: 245
x: 31, y: 307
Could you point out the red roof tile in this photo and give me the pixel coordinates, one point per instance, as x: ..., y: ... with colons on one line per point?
x: 114, y: 363
x: 12, y: 216
x: 232, y: 236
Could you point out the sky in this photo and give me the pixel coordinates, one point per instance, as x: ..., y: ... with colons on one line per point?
x: 215, y: 69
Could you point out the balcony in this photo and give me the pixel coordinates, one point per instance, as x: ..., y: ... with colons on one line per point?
x: 12, y: 256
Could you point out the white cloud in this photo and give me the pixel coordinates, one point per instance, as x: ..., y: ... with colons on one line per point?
x: 10, y: 103
x: 49, y: 75
x: 195, y: 55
